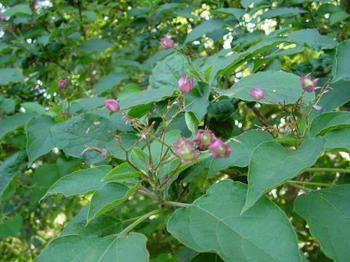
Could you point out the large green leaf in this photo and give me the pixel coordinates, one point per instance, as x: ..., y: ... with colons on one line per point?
x: 242, y: 148
x: 341, y: 62
x: 197, y: 102
x: 9, y: 169
x: 327, y: 212
x: 313, y: 39
x: 10, y: 123
x: 7, y: 105
x: 168, y: 71
x: 82, y: 132
x: 18, y: 10
x: 95, y: 45
x: 39, y: 138
x: 106, y: 198
x: 73, y: 248
x: 208, y: 26
x: 122, y: 173
x: 44, y: 177
x: 214, y: 223
x: 338, y: 140
x: 148, y: 96
x: 279, y: 87
x: 282, y: 12
x: 338, y: 95
x: 84, y: 105
x: 271, y: 164
x: 10, y: 75
x: 109, y: 81
x: 80, y: 182
x: 101, y: 226
x: 235, y: 12
x: 329, y: 121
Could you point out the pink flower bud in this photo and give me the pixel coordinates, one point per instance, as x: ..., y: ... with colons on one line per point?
x: 308, y: 84
x: 185, y: 84
x: 219, y: 149
x: 166, y: 43
x: 256, y: 93
x: 185, y: 150
x: 112, y: 105
x: 3, y: 17
x: 62, y: 83
x: 203, y: 138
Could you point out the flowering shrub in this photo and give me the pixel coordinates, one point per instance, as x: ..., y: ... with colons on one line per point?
x: 174, y: 131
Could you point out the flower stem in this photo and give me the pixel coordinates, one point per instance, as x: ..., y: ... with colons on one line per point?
x: 130, y: 227
x: 309, y: 183
x: 327, y: 169
x: 177, y: 204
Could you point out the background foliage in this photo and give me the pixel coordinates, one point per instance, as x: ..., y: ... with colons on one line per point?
x: 71, y: 170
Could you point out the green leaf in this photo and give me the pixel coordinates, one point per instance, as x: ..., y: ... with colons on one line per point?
x: 9, y: 169
x: 18, y: 10
x: 145, y: 97
x: 11, y: 226
x: 329, y: 121
x: 341, y: 62
x: 327, y: 213
x: 168, y: 71
x: 338, y: 95
x: 44, y: 177
x: 84, y: 105
x: 282, y: 12
x: 247, y: 3
x: 101, y: 226
x: 80, y: 182
x: 338, y: 140
x: 235, y: 12
x: 338, y: 16
x: 312, y: 38
x: 214, y: 223
x: 106, y: 198
x: 271, y: 165
x: 122, y: 173
x: 191, y: 122
x: 95, y: 45
x: 109, y: 81
x: 208, y: 26
x: 7, y: 105
x: 82, y: 132
x: 197, y: 101
x: 10, y: 75
x: 242, y: 149
x: 39, y: 138
x: 13, y: 122
x: 128, y: 248
x: 279, y: 88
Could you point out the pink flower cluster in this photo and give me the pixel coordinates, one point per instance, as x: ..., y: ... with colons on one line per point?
x: 112, y: 105
x: 62, y: 83
x: 309, y: 84
x: 166, y: 43
x: 185, y: 84
x: 204, y: 140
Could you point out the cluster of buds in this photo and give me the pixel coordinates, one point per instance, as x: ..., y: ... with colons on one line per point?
x: 166, y: 43
x: 204, y: 140
x: 62, y: 84
x: 112, y: 105
x: 186, y: 150
x: 185, y: 84
x: 309, y: 84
